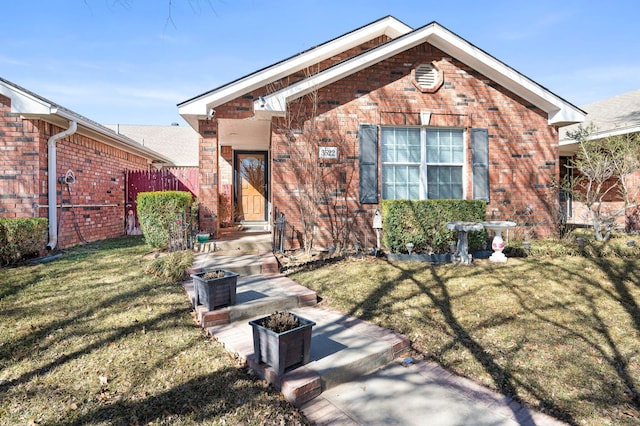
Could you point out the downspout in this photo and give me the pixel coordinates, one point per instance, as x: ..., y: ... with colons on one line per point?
x: 52, y: 182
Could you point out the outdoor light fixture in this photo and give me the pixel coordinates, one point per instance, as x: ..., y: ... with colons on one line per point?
x: 409, y: 247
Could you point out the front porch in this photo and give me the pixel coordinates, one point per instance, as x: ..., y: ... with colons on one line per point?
x: 244, y: 197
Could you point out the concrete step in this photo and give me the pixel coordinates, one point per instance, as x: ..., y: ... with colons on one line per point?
x: 342, y: 348
x: 243, y: 264
x: 256, y: 295
x: 231, y: 242
x: 253, y: 226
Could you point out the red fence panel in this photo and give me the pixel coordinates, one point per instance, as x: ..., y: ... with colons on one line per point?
x: 175, y: 179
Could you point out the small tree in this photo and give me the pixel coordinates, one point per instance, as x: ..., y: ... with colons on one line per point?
x: 603, y: 166
x: 626, y: 160
x: 319, y: 187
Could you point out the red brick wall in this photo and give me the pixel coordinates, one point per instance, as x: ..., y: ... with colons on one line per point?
x: 97, y: 195
x: 216, y: 171
x: 19, y: 164
x: 523, y: 149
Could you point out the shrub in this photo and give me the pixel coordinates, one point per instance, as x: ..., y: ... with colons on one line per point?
x: 158, y: 213
x: 172, y: 265
x: 422, y: 223
x: 21, y: 238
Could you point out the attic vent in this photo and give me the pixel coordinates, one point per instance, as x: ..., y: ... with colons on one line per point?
x: 427, y: 77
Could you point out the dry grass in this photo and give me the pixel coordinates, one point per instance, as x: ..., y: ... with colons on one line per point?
x: 560, y: 334
x: 90, y: 339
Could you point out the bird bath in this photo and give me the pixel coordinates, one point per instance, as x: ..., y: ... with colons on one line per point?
x: 498, y: 243
x: 462, y: 228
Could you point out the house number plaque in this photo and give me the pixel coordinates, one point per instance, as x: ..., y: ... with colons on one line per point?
x: 330, y: 152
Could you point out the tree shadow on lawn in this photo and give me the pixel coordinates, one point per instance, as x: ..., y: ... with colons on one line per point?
x: 118, y: 334
x: 625, y: 273
x: 10, y: 350
x: 595, y: 331
x: 501, y: 377
x: 201, y: 399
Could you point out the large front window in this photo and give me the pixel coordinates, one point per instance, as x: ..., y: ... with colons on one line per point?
x: 422, y: 163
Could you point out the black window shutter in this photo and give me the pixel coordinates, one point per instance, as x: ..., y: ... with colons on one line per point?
x: 368, y: 137
x: 480, y: 163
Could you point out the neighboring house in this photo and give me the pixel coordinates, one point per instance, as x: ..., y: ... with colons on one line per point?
x: 178, y: 143
x: 618, y: 115
x: 384, y: 111
x: 61, y: 165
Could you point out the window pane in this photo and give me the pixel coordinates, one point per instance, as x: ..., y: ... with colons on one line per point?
x: 400, y: 145
x: 388, y: 142
x: 457, y: 143
x: 413, y: 136
x: 444, y: 182
x: 445, y: 146
x: 444, y: 155
x: 400, y: 182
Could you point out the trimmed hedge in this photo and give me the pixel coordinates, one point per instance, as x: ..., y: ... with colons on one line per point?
x: 422, y: 223
x: 158, y: 211
x: 22, y: 238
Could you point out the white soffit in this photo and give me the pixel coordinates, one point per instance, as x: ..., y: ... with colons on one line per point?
x: 199, y: 106
x: 560, y: 112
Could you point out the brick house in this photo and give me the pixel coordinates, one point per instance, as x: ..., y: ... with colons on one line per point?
x: 615, y: 116
x: 53, y: 157
x: 382, y: 112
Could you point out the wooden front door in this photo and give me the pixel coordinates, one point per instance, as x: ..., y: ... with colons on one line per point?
x: 251, y: 186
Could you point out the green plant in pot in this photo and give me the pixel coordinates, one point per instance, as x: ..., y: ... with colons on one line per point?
x: 282, y: 340
x: 215, y: 288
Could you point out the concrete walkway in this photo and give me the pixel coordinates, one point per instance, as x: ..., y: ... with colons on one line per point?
x: 356, y: 375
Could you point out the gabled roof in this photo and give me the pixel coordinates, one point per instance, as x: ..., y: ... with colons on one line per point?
x: 178, y: 143
x: 197, y: 107
x: 560, y: 112
x: 33, y: 106
x: 617, y: 115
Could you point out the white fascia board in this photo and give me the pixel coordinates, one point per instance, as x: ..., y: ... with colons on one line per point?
x: 109, y: 137
x: 23, y: 102
x: 388, y: 26
x: 277, y: 101
x: 604, y: 134
x: 559, y: 111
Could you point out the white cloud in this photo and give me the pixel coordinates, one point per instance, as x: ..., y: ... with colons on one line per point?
x: 533, y: 28
x: 590, y: 84
x: 6, y: 60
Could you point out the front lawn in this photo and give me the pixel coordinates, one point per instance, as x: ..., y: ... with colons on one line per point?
x: 91, y: 339
x: 559, y: 333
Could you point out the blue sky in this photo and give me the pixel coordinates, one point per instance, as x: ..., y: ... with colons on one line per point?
x: 132, y: 61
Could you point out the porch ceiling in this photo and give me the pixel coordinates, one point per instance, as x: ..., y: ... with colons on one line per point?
x: 245, y: 135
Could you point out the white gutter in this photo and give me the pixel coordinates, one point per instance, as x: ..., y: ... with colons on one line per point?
x: 52, y: 182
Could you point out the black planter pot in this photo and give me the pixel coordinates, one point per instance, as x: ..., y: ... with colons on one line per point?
x: 282, y: 351
x: 215, y: 292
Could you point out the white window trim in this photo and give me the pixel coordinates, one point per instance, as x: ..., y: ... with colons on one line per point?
x: 423, y: 165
